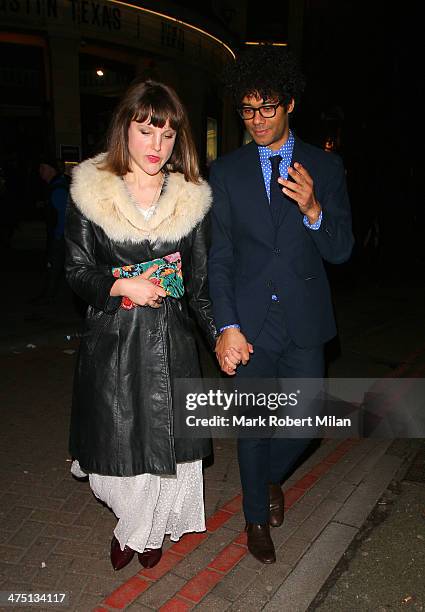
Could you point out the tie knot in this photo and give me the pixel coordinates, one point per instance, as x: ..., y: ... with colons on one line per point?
x: 275, y: 161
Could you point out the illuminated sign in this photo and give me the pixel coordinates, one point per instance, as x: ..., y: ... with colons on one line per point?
x: 115, y: 16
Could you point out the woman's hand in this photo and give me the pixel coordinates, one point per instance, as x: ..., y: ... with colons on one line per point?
x: 139, y: 289
x: 231, y: 349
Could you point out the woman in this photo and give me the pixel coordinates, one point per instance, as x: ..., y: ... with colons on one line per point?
x: 143, y: 199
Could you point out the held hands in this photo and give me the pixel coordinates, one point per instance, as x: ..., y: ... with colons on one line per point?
x: 302, y: 191
x: 232, y: 349
x: 140, y: 289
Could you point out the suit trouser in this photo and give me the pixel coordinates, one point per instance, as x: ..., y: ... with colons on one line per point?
x: 269, y: 460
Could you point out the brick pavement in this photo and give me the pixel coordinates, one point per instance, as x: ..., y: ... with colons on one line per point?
x: 55, y: 535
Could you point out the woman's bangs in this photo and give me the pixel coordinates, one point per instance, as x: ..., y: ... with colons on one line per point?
x: 156, y: 111
x: 161, y: 114
x: 142, y: 114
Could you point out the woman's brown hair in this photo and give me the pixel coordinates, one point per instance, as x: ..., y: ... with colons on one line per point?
x: 155, y: 102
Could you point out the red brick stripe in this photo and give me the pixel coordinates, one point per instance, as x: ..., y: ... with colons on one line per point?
x: 205, y: 580
x: 198, y: 586
x: 188, y: 543
x: 176, y: 604
x: 321, y: 468
x: 201, y: 584
x: 234, y: 505
x: 307, y: 481
x: 228, y: 558
x: 241, y: 539
x: 292, y: 495
x: 127, y: 592
x: 217, y: 520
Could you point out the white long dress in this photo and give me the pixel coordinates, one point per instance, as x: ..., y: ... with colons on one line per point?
x: 148, y: 507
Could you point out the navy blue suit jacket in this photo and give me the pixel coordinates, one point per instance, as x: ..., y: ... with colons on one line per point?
x: 251, y: 258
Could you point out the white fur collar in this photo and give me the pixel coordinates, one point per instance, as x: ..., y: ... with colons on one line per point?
x: 102, y: 197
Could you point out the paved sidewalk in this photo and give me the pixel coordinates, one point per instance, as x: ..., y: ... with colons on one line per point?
x: 384, y: 568
x: 54, y: 536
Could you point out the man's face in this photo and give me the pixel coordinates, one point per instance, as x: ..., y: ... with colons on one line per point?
x: 269, y: 132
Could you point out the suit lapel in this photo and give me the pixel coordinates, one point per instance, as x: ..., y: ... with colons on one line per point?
x: 255, y: 182
x: 289, y: 202
x: 297, y: 153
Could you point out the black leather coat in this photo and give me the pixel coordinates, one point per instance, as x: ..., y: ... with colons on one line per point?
x: 122, y: 413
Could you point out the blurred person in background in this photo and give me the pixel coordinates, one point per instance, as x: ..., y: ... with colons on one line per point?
x: 57, y: 199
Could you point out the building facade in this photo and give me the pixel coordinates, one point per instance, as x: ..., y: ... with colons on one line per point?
x: 65, y: 63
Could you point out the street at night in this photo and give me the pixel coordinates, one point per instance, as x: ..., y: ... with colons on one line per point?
x: 55, y: 535
x: 348, y: 533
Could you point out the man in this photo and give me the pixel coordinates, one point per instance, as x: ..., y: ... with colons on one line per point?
x: 268, y: 285
x: 58, y: 190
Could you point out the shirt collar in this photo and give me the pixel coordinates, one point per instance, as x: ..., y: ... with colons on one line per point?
x: 284, y: 149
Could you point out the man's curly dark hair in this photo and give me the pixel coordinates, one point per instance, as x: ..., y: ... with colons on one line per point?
x: 267, y: 70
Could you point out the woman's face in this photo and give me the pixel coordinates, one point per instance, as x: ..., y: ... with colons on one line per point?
x: 150, y: 147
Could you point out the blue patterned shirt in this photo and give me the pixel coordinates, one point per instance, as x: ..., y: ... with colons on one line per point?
x: 285, y: 152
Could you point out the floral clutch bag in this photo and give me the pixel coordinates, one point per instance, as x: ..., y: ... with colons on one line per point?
x: 168, y: 275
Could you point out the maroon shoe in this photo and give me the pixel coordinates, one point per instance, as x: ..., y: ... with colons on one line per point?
x: 150, y: 557
x: 120, y: 558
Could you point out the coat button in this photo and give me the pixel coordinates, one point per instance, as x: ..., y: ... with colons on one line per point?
x: 270, y: 283
x: 276, y: 251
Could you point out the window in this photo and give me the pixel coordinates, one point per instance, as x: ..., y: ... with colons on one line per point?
x: 212, y: 135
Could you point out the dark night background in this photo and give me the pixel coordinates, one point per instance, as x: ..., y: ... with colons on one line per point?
x: 364, y: 84
x: 363, y: 67
x: 363, y: 94
x: 364, y: 90
x: 364, y: 80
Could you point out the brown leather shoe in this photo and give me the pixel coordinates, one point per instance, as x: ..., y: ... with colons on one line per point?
x: 260, y: 544
x: 276, y: 505
x: 150, y: 557
x: 120, y: 558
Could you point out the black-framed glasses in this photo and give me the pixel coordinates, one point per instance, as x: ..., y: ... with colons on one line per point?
x: 266, y: 110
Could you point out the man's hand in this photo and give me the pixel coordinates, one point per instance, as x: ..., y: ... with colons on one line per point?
x: 302, y: 192
x: 232, y: 349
